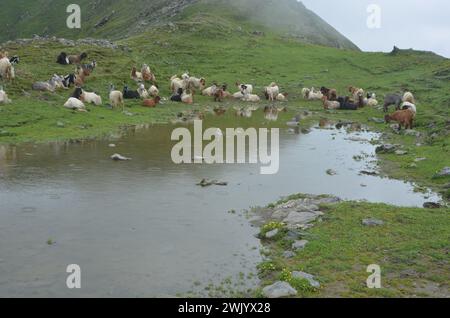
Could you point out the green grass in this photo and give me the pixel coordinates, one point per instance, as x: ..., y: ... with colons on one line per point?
x: 411, y: 249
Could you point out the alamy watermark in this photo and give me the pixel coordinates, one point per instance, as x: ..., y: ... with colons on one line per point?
x: 374, y: 279
x: 374, y: 18
x: 234, y: 141
x: 73, y: 281
x: 74, y: 19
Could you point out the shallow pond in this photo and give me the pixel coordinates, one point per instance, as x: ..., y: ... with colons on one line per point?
x: 142, y: 228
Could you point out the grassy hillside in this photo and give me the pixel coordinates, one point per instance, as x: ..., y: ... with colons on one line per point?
x: 121, y: 19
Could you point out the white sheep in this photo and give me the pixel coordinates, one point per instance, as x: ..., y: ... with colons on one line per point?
x: 305, y: 92
x: 177, y: 83
x: 251, y: 98
x: 195, y: 83
x: 91, y: 98
x: 75, y: 104
x: 116, y: 98
x: 238, y: 95
x: 409, y: 97
x: 272, y: 91
x: 245, y: 88
x: 4, y: 97
x: 410, y: 106
x: 187, y: 98
x: 313, y: 95
x: 153, y: 91
x: 210, y: 91
x: 6, y: 69
x: 142, y: 91
x: 372, y: 100
x: 282, y: 97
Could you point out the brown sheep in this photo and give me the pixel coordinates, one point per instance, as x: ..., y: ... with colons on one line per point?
x: 403, y: 117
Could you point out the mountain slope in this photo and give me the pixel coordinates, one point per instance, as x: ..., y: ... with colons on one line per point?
x: 116, y: 19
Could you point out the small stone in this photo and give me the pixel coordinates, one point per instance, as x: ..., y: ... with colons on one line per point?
x: 377, y: 120
x: 117, y: 157
x: 331, y: 172
x: 60, y: 124
x: 272, y: 234
x: 432, y: 205
x: 112, y: 146
x: 288, y: 254
x: 372, y: 222
x: 401, y: 152
x: 299, y: 245
x: 279, y: 290
x: 310, y: 278
x: 444, y: 172
x: 419, y: 159
x: 387, y: 148
x: 295, y: 218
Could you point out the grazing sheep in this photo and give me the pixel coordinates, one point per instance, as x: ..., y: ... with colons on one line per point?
x: 177, y: 83
x: 62, y: 59
x: 392, y: 99
x: 271, y: 92
x: 48, y: 86
x: 177, y: 97
x: 282, y: 97
x: 135, y: 75
x: 142, y: 91
x: 4, y: 97
x: 75, y: 104
x: 403, y: 117
x: 251, y: 98
x: 153, y: 91
x: 327, y: 104
x: 116, y: 97
x: 245, y: 88
x: 409, y: 97
x: 187, y: 98
x: 77, y: 59
x: 6, y: 69
x: 330, y: 93
x: 129, y: 94
x: 196, y: 83
x: 151, y: 102
x: 91, y: 98
x: 147, y: 74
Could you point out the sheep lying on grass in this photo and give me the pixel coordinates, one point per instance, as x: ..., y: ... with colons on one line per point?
x: 151, y: 102
x: 129, y: 94
x: 282, y: 97
x: 4, y: 97
x: 147, y: 74
x: 187, y: 98
x: 251, y: 98
x: 75, y: 104
x: 372, y: 100
x: 313, y: 95
x: 327, y: 104
x: 48, y: 86
x: 143, y: 93
x: 210, y: 91
x: 153, y: 91
x: 91, y: 98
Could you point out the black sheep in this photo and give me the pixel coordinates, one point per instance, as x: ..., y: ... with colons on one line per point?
x: 346, y: 104
x: 177, y: 97
x: 69, y: 80
x: 62, y: 59
x: 127, y: 94
x: 77, y: 93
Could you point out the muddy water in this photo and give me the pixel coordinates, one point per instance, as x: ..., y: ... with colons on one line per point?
x: 143, y: 228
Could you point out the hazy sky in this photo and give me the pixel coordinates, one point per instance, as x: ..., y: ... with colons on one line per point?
x: 418, y: 24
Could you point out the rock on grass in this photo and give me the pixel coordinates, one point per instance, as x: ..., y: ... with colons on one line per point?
x: 279, y: 290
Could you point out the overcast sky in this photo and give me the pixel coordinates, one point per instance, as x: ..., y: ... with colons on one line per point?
x: 418, y: 24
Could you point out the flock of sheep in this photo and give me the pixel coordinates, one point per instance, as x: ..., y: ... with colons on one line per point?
x: 185, y: 87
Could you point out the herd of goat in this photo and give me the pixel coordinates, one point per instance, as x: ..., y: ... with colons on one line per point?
x: 185, y: 87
